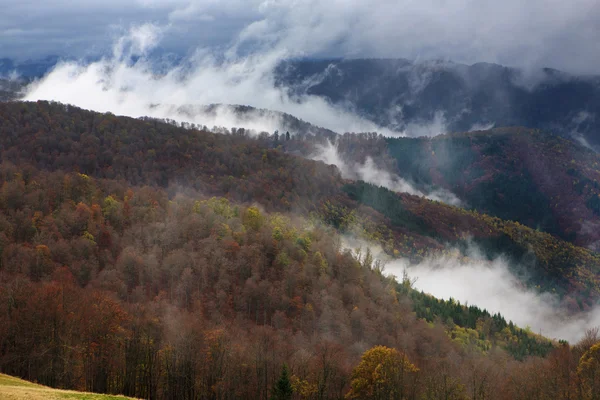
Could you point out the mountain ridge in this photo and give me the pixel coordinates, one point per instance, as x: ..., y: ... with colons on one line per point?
x: 405, y: 96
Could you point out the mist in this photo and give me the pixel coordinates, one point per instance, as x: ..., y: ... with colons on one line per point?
x: 371, y: 173
x: 492, y: 286
x: 537, y: 33
x: 120, y: 85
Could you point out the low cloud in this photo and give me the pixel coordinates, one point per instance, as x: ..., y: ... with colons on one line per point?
x: 492, y: 286
x: 537, y: 33
x: 437, y: 126
x: 582, y: 118
x: 488, y: 285
x: 371, y: 173
x: 123, y: 86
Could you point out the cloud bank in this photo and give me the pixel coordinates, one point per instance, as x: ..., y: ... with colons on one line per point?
x: 491, y: 286
x: 371, y: 173
x: 126, y: 83
x: 488, y: 285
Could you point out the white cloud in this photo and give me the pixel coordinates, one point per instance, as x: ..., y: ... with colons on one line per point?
x: 491, y: 286
x: 488, y: 285
x: 115, y: 84
x: 371, y: 173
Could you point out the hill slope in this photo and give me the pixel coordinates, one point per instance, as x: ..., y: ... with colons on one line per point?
x: 540, y: 180
x: 12, y: 388
x: 53, y: 137
x: 123, y: 272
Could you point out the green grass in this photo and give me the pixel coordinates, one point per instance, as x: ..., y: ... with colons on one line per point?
x: 6, y: 380
x: 12, y: 388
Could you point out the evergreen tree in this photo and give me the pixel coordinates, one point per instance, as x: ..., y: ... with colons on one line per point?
x: 282, y: 390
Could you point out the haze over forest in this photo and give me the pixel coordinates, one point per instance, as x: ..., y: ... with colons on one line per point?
x: 278, y: 199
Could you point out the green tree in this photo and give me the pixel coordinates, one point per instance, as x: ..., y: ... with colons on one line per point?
x: 282, y: 390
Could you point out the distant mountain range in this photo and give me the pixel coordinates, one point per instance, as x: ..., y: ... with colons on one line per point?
x: 422, y: 98
x: 27, y: 69
x: 427, y: 98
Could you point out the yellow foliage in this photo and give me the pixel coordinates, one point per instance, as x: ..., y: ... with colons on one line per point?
x: 219, y: 205
x: 589, y: 372
x: 303, y: 387
x: 253, y: 218
x: 383, y: 373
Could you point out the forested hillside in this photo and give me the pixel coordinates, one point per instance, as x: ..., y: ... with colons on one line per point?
x: 545, y: 182
x: 159, y: 261
x: 9, y: 89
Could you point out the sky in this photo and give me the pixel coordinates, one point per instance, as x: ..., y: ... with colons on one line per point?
x: 534, y: 33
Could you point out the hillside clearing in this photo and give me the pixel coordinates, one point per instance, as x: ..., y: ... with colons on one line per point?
x: 12, y: 388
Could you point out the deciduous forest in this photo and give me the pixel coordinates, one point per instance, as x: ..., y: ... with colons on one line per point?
x: 143, y: 258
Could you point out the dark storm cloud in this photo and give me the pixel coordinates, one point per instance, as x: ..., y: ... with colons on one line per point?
x: 37, y: 28
x: 553, y: 33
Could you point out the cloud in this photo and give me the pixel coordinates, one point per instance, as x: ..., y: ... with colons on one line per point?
x: 122, y: 86
x: 563, y: 35
x: 491, y: 285
x: 119, y: 85
x: 488, y: 285
x: 435, y: 127
x: 371, y: 173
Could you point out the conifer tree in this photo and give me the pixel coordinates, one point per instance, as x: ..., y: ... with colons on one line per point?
x: 282, y: 390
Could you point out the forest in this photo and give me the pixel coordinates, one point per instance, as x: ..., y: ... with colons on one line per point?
x: 165, y: 262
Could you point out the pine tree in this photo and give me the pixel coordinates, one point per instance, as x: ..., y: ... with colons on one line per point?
x: 282, y: 390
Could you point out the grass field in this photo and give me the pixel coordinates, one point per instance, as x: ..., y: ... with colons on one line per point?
x: 17, y: 389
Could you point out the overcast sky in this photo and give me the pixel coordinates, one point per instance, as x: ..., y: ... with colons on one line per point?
x: 560, y: 34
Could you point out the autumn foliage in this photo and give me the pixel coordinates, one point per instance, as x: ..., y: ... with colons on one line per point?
x: 162, y: 262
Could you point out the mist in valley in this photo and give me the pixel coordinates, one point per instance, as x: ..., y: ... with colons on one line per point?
x: 371, y: 173
x: 492, y: 285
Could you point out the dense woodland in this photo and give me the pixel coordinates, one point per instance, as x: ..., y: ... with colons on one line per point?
x: 141, y: 258
x: 9, y: 89
x: 542, y: 181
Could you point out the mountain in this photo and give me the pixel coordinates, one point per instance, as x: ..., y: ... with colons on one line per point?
x: 28, y: 69
x: 538, y: 179
x: 10, y: 89
x: 427, y: 98
x: 52, y: 136
x: 159, y: 261
x: 423, y: 98
x: 249, y: 117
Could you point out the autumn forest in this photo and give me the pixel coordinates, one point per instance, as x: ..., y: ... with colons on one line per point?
x: 159, y: 261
